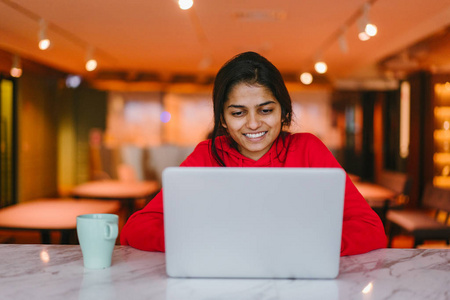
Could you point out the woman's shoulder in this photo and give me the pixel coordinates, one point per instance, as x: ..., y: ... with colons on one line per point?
x: 318, y: 153
x: 200, y: 156
x: 202, y: 148
x: 304, y: 137
x: 203, y: 145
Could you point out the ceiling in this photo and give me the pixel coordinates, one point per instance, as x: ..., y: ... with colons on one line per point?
x: 154, y: 41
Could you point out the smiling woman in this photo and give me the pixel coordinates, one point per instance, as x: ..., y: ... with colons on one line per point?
x: 252, y: 103
x: 252, y: 106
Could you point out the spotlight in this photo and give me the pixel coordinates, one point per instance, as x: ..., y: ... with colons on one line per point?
x: 16, y: 68
x: 321, y: 67
x: 363, y: 36
x: 185, y: 4
x: 371, y: 30
x: 91, y: 63
x: 306, y: 78
x: 365, y: 28
x: 73, y: 81
x: 44, y: 42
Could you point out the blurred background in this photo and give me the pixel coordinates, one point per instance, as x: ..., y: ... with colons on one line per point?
x: 87, y: 86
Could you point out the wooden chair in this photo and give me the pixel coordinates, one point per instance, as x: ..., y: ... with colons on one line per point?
x: 398, y: 182
x: 428, y: 223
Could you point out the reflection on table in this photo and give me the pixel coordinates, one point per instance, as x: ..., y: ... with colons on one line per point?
x: 47, y: 215
x: 125, y: 191
x: 56, y: 272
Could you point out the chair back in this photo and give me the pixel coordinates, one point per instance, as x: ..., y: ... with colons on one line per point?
x: 400, y: 183
x: 396, y: 181
x: 126, y: 172
x: 436, y: 198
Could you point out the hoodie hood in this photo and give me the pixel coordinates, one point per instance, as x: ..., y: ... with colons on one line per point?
x: 232, y: 157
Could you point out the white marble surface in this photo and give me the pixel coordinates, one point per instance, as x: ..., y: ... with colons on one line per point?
x: 57, y: 272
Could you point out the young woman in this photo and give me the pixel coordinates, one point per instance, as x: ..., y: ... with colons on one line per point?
x: 251, y: 108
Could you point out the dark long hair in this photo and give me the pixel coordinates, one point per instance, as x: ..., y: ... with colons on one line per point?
x: 253, y: 69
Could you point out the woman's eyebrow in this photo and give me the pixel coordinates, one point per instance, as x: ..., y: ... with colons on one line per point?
x: 235, y: 106
x: 243, y: 106
x: 265, y: 103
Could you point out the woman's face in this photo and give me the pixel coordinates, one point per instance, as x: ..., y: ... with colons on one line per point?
x: 252, y: 117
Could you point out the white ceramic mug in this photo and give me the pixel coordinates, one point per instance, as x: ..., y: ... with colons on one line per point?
x: 97, y: 235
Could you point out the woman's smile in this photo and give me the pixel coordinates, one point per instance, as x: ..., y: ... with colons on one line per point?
x: 255, y: 135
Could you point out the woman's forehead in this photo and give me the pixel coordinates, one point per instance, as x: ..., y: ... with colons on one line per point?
x: 247, y: 93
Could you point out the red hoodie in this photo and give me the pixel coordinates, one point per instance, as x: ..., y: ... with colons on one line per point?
x: 362, y: 229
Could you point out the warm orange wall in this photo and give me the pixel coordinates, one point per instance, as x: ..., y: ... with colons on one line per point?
x: 36, y: 137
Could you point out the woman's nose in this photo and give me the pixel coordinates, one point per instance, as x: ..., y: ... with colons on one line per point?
x: 253, y: 121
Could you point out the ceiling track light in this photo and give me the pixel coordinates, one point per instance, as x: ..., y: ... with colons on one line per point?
x: 369, y: 28
x: 91, y: 63
x: 362, y: 35
x: 16, y: 68
x: 343, y: 41
x: 366, y: 30
x: 44, y: 42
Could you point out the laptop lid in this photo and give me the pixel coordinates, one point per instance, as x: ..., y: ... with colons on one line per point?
x: 253, y: 222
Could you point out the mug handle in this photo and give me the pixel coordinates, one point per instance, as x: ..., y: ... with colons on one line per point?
x: 113, y: 231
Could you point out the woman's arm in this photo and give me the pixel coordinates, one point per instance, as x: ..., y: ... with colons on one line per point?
x: 144, y: 230
x: 362, y: 229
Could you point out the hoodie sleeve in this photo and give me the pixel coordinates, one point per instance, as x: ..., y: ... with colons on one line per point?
x: 144, y: 229
x: 362, y: 229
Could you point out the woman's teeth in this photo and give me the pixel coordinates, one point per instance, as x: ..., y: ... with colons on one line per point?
x: 255, y: 135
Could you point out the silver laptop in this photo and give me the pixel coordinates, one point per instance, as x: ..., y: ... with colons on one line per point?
x: 253, y: 222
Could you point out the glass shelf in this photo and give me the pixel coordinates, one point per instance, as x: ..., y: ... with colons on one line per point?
x: 441, y: 134
x: 441, y: 181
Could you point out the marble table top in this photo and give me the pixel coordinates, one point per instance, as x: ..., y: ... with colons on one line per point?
x: 57, y: 272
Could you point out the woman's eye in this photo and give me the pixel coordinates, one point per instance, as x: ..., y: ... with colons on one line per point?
x: 237, y: 113
x: 267, y: 111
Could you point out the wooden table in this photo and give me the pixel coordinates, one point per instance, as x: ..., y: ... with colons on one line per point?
x: 375, y: 194
x: 46, y: 215
x: 125, y: 191
x: 56, y: 272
